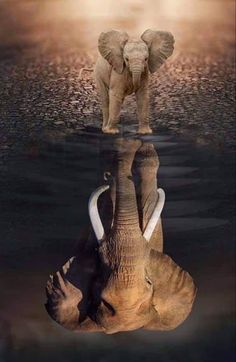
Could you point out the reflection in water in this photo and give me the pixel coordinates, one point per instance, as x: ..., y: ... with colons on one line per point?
x: 43, y: 202
x: 120, y: 280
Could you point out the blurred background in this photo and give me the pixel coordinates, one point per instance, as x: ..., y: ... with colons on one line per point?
x: 88, y: 18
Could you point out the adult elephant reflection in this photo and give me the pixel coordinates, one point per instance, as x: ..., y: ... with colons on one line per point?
x: 123, y: 281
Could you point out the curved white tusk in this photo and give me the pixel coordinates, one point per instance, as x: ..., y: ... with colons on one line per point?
x: 155, y: 215
x: 93, y: 212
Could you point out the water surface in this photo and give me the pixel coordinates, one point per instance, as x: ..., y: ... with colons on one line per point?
x: 44, y: 197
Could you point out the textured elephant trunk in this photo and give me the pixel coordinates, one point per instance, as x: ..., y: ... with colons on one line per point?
x: 136, y: 77
x: 126, y: 210
x: 127, y: 240
x: 136, y: 70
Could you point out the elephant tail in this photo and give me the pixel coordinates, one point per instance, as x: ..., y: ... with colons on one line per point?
x: 84, y: 69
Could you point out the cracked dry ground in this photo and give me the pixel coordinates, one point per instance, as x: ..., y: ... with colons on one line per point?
x: 41, y: 95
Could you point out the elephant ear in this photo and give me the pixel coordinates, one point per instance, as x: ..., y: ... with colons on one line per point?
x: 160, y: 45
x: 174, y: 292
x: 67, y: 297
x: 110, y: 46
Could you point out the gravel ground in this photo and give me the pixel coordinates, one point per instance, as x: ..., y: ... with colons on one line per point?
x: 40, y: 93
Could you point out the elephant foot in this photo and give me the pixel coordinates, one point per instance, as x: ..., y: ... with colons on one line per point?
x: 110, y: 130
x: 145, y: 130
x: 126, y: 150
x: 127, y: 145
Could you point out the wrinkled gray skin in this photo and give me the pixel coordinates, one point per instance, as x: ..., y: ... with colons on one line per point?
x: 123, y: 68
x: 123, y: 283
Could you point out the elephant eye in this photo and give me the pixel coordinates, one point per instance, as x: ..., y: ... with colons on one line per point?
x: 108, y: 307
x: 146, y: 59
x: 148, y: 281
x: 127, y: 59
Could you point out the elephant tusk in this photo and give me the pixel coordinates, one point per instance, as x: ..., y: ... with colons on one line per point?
x: 93, y: 212
x: 155, y: 215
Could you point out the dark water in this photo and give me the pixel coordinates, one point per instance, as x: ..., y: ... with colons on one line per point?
x: 44, y: 197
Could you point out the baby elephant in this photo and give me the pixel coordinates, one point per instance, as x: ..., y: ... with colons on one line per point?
x: 123, y: 68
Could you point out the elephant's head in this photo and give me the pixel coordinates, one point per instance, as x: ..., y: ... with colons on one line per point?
x: 150, y: 51
x: 123, y: 281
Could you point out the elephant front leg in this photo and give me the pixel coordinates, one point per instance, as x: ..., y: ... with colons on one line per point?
x: 104, y: 98
x: 105, y: 110
x: 142, y: 98
x: 146, y: 165
x: 115, y: 103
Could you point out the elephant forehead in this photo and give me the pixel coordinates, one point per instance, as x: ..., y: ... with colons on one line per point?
x: 122, y: 299
x: 136, y: 46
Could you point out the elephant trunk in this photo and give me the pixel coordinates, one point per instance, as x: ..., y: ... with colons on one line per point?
x: 127, y: 243
x: 136, y: 70
x: 136, y: 77
x: 126, y: 210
